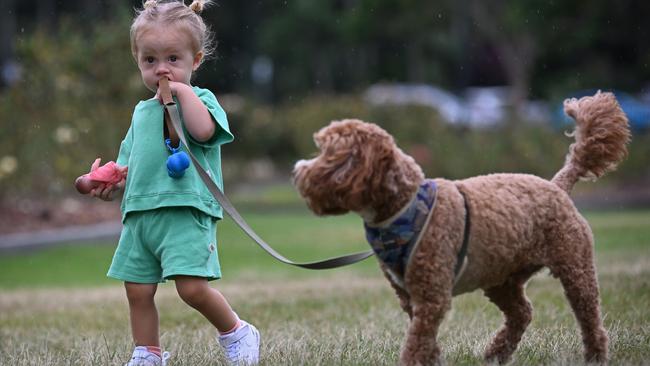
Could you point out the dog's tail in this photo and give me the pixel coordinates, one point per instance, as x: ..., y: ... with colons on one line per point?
x: 601, y: 137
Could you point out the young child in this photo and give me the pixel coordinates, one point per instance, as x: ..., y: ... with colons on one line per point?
x: 169, y: 222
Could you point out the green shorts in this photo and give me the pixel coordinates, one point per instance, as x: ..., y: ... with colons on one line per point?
x: 170, y: 241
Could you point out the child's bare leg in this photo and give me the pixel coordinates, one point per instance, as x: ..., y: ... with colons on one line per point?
x: 196, y: 292
x: 143, y: 313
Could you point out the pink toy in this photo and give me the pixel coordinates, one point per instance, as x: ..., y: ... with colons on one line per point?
x: 108, y: 173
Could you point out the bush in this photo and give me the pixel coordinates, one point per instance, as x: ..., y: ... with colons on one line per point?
x: 75, y: 100
x: 442, y: 149
x: 73, y: 104
x: 284, y: 134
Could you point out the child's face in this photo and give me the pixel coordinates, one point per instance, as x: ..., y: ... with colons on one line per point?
x: 165, y: 51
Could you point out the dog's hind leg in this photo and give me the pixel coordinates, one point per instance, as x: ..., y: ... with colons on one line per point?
x: 573, y: 264
x: 511, y: 300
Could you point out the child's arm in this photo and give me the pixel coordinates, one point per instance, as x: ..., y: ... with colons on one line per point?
x: 198, y: 120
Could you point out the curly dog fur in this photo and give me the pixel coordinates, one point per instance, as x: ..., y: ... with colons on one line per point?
x: 519, y: 224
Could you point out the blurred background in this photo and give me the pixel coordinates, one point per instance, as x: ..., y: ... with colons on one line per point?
x: 467, y: 87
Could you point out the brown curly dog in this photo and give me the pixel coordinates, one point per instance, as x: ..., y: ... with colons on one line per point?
x: 490, y: 232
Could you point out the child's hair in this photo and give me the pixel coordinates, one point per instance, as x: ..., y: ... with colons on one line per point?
x: 178, y: 14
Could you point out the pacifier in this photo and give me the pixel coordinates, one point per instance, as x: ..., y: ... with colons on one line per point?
x: 177, y: 162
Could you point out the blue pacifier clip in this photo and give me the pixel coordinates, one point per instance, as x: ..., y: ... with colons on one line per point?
x: 177, y: 162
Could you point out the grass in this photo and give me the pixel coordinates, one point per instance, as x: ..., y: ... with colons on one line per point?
x: 296, y: 234
x: 56, y: 305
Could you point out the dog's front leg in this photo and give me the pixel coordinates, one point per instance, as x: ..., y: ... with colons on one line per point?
x: 402, y: 295
x: 430, y: 291
x: 421, y: 347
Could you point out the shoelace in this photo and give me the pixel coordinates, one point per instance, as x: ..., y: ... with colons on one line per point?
x: 232, y: 351
x: 164, y: 357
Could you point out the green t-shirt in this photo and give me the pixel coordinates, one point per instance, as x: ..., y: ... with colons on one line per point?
x: 143, y: 150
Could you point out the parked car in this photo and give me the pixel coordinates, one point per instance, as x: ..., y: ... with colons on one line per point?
x: 447, y: 104
x: 478, y: 107
x: 636, y: 110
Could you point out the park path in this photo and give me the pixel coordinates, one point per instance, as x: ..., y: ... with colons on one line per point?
x: 48, y: 237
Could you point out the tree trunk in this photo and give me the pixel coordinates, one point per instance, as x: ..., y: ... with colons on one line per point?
x: 46, y: 13
x: 516, y: 51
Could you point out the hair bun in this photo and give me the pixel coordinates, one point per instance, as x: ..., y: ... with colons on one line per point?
x: 150, y: 4
x: 197, y: 6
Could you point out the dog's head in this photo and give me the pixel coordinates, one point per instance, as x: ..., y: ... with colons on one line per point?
x: 358, y: 168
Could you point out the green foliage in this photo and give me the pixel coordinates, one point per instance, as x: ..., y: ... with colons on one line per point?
x: 282, y: 134
x: 72, y: 105
x: 548, y: 48
x: 332, y: 46
x: 80, y: 85
x: 443, y: 150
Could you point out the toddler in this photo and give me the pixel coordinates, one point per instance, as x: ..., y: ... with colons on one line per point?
x: 169, y: 221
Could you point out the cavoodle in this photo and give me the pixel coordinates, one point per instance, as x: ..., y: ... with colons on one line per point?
x: 437, y: 238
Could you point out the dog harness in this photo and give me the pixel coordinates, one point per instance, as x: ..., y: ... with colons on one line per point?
x: 394, y: 240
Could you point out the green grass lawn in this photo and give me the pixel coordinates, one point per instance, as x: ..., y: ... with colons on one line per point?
x: 56, y: 304
x: 296, y: 234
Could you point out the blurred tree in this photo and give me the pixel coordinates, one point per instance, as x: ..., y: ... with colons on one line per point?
x: 538, y: 47
x: 307, y: 61
x: 545, y: 47
x: 46, y: 13
x: 344, y: 45
x: 7, y: 36
x: 593, y: 44
x: 72, y: 104
x: 509, y: 28
x: 236, y: 24
x: 405, y: 40
x: 308, y: 50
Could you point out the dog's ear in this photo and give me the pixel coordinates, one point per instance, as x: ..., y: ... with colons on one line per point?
x: 370, y: 157
x: 379, y: 170
x: 353, y: 170
x: 378, y: 156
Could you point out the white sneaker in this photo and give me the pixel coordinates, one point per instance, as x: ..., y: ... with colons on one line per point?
x: 242, y: 346
x: 142, y: 357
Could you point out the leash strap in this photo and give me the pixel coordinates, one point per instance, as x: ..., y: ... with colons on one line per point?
x: 462, y: 254
x: 225, y: 203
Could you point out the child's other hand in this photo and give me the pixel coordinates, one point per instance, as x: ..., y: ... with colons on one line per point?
x: 106, y: 191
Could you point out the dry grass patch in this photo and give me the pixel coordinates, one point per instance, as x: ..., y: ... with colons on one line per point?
x: 341, y: 318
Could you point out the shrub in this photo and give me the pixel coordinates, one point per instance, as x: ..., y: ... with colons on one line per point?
x: 79, y: 86
x: 72, y: 104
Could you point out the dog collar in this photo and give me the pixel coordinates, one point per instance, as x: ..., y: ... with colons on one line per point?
x: 393, y: 240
